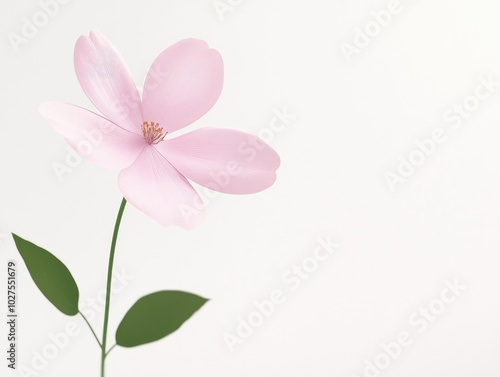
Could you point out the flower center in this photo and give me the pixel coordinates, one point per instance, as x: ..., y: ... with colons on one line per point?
x: 152, y: 132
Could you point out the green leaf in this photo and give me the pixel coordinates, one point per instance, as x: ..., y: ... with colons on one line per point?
x: 155, y: 316
x: 50, y: 275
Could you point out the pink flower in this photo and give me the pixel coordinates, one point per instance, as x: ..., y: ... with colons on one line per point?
x: 133, y: 135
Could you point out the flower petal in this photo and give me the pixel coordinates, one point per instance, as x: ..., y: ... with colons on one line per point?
x: 93, y: 136
x: 107, y: 82
x: 223, y: 160
x: 183, y: 84
x: 155, y: 187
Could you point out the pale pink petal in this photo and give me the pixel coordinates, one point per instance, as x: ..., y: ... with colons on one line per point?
x: 223, y: 160
x: 106, y: 79
x: 153, y: 185
x: 184, y: 82
x: 93, y: 136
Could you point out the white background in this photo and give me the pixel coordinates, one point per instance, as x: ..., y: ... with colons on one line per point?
x: 353, y: 121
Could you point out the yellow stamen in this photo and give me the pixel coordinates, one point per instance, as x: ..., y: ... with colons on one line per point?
x: 152, y: 132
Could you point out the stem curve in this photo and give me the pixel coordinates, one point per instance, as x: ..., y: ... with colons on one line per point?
x: 108, y: 284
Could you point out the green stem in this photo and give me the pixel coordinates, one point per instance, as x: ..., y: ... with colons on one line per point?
x: 108, y: 286
x: 91, y: 329
x: 111, y: 349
